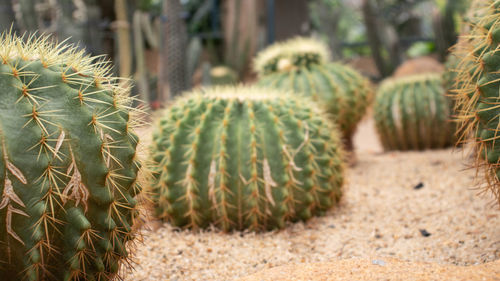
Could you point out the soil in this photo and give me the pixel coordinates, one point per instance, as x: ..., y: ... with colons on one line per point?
x: 378, y: 269
x: 417, y: 212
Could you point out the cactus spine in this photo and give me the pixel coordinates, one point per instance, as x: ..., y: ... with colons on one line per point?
x: 302, y: 65
x: 68, y: 164
x: 412, y: 113
x: 244, y: 158
x: 478, y: 97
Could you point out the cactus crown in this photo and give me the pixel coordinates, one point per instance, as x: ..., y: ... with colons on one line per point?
x: 244, y: 158
x: 291, y: 54
x: 390, y: 85
x: 68, y: 163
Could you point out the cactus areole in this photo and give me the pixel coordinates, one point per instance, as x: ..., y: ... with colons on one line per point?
x: 301, y: 65
x: 244, y: 158
x: 68, y: 165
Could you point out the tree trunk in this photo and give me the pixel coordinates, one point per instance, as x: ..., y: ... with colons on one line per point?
x: 172, y: 52
x: 241, y: 32
x: 291, y: 18
x: 93, y: 32
x: 444, y: 28
x: 123, y: 29
x: 329, y: 21
x: 374, y: 37
x: 7, y: 15
x: 393, y: 46
x: 140, y: 76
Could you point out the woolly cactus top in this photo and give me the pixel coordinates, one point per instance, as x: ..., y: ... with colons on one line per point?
x: 66, y: 58
x: 250, y: 93
x: 291, y: 54
x: 406, y: 81
x: 220, y: 71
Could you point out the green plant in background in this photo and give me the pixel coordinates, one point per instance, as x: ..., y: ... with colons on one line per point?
x: 455, y: 10
x: 412, y: 113
x: 478, y: 96
x: 244, y: 158
x: 420, y: 49
x: 337, y: 21
x: 69, y: 164
x: 302, y: 65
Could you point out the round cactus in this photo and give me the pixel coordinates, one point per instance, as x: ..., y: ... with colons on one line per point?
x: 412, y: 113
x: 244, y: 158
x: 302, y: 65
x: 68, y: 168
x: 478, y: 96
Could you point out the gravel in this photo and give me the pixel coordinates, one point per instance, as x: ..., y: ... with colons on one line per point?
x: 446, y: 221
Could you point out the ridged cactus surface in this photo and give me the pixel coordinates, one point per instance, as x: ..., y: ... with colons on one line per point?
x: 244, y: 158
x: 302, y: 65
x: 412, y: 113
x: 450, y: 81
x: 478, y: 97
x: 68, y: 168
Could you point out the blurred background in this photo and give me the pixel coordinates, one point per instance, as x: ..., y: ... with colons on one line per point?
x: 169, y: 46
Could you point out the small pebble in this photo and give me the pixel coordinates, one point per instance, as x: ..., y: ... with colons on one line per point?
x: 418, y: 186
x: 424, y: 233
x: 378, y: 262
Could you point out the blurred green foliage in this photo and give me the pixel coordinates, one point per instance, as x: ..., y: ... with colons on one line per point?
x: 419, y: 49
x: 342, y: 16
x: 151, y: 6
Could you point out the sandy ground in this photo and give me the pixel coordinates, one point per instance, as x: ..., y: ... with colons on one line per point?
x: 378, y: 269
x: 445, y: 221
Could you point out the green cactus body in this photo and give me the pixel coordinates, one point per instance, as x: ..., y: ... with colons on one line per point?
x: 301, y: 65
x: 478, y: 97
x: 412, y: 113
x: 68, y: 165
x: 244, y: 158
x: 450, y: 81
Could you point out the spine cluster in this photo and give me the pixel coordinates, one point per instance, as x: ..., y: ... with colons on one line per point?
x: 244, y: 159
x: 478, y: 83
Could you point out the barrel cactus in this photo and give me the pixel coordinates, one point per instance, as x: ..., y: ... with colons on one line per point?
x: 412, y: 113
x: 302, y: 65
x: 244, y: 158
x: 69, y: 167
x: 478, y: 97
